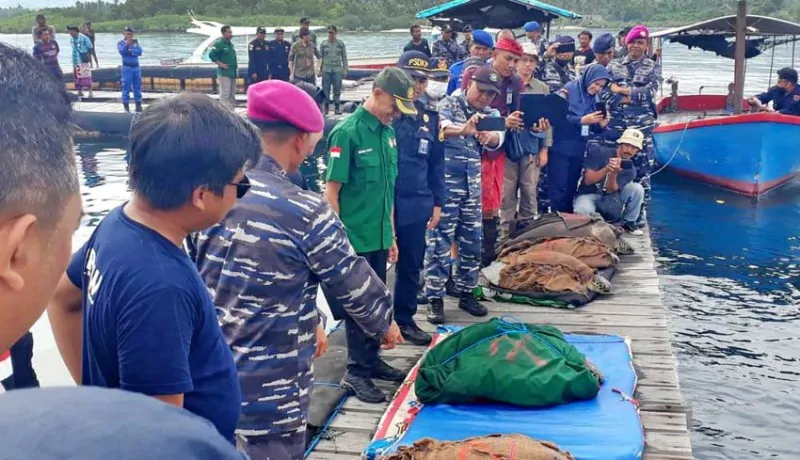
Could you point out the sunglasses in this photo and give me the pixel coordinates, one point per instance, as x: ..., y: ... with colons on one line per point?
x: 241, y: 187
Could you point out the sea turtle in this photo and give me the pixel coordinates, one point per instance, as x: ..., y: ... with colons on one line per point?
x: 569, y: 225
x: 544, y: 271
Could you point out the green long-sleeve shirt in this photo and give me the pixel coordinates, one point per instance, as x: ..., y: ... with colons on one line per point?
x: 223, y: 51
x: 334, y: 56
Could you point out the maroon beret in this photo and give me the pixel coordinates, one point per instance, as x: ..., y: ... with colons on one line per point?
x: 279, y: 102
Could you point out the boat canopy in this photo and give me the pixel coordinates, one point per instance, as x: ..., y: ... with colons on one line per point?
x: 718, y: 35
x: 500, y: 14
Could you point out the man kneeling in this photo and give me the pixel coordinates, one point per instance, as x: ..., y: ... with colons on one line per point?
x: 607, y: 187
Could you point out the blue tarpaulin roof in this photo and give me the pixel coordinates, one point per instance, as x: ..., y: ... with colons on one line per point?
x: 501, y: 14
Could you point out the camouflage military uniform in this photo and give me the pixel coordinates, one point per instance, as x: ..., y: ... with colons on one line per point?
x: 556, y: 75
x: 461, y: 217
x: 262, y: 264
x: 642, y: 77
x: 447, y: 49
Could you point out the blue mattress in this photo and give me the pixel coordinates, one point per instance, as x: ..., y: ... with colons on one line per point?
x: 605, y: 428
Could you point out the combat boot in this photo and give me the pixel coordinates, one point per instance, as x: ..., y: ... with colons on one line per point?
x: 337, y: 109
x: 436, y: 311
x: 127, y: 107
x: 326, y: 108
x: 469, y: 304
x: 138, y: 107
x: 489, y: 241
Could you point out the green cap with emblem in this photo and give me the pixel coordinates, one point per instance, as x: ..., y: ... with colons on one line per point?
x: 397, y: 83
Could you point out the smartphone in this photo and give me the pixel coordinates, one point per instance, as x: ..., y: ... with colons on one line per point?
x: 491, y: 124
x: 600, y: 107
x: 627, y: 164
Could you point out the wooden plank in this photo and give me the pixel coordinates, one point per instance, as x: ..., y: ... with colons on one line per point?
x: 343, y: 442
x: 317, y: 455
x: 663, y: 421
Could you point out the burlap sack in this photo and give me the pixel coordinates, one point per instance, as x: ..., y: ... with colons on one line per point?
x: 492, y: 447
x: 588, y: 250
x: 544, y: 271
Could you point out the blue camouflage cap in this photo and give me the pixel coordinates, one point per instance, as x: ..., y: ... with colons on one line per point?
x: 604, y: 43
x: 439, y: 68
x: 531, y: 26
x: 481, y: 37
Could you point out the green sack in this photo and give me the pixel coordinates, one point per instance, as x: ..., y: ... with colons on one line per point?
x: 523, y: 364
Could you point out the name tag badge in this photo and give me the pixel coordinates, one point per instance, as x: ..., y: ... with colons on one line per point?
x: 585, y: 131
x: 424, y: 147
x: 509, y: 98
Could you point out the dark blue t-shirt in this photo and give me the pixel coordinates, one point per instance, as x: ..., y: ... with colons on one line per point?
x: 596, y: 159
x: 100, y: 424
x: 149, y: 325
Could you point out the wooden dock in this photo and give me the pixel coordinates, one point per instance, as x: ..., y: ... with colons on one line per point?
x: 634, y: 310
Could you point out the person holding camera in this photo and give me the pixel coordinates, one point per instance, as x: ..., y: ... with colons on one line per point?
x: 608, y: 186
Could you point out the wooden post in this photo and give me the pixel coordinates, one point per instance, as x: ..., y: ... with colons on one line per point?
x: 739, y: 69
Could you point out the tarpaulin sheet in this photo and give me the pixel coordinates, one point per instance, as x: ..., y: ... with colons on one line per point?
x: 605, y: 428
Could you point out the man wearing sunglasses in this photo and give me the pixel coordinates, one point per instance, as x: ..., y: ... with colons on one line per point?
x: 132, y: 311
x: 264, y: 263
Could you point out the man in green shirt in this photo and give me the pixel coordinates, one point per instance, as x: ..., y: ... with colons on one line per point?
x: 223, y: 54
x: 301, y: 59
x: 305, y: 24
x: 362, y: 168
x: 333, y: 67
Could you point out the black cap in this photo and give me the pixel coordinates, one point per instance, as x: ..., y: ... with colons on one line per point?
x: 473, y: 61
x: 415, y: 63
x: 788, y: 73
x: 261, y: 30
x: 487, y: 79
x: 129, y: 29
x: 40, y: 16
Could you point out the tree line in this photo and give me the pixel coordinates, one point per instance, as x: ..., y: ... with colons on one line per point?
x: 360, y: 15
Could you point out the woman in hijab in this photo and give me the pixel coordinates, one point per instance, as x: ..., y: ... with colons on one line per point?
x: 569, y: 143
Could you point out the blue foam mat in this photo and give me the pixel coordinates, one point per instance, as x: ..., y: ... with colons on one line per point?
x: 604, y: 428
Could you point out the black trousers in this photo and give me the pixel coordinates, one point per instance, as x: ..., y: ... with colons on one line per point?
x: 563, y: 173
x: 362, y: 350
x: 280, y: 73
x: 411, y: 245
x: 22, y: 365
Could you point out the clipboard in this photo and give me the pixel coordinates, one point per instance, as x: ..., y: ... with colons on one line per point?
x: 550, y: 106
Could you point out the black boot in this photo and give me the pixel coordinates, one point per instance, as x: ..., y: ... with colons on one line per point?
x: 470, y: 305
x: 363, y: 388
x: 127, y: 107
x: 337, y: 109
x: 436, y: 311
x: 450, y: 287
x: 383, y: 371
x: 138, y: 107
x: 326, y: 108
x: 412, y: 333
x: 489, y: 241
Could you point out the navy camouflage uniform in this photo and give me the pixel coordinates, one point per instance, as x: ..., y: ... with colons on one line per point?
x: 263, y: 264
x: 642, y: 77
x: 450, y: 50
x: 419, y: 188
x: 461, y: 217
x: 556, y: 75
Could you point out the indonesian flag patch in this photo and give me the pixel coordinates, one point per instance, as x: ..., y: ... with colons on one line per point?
x: 335, y: 152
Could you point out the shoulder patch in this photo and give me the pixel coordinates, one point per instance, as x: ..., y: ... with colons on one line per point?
x: 335, y: 152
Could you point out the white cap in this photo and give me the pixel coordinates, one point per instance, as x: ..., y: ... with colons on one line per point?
x: 530, y: 49
x: 633, y: 137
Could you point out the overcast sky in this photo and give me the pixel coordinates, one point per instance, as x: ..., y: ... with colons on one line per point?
x: 35, y: 3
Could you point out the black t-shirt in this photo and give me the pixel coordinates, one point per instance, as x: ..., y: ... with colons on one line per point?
x: 421, y: 46
x: 596, y: 159
x: 584, y: 57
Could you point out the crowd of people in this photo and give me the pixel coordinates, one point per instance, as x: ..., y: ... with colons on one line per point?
x: 200, y: 291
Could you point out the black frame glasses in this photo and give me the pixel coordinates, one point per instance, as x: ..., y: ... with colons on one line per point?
x: 241, y: 187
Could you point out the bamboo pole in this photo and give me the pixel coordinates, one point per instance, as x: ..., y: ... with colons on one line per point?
x: 739, y: 69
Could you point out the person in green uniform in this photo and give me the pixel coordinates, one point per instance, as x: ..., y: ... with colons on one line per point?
x: 361, y: 174
x: 305, y: 24
x: 301, y: 59
x: 333, y: 67
x: 223, y: 54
